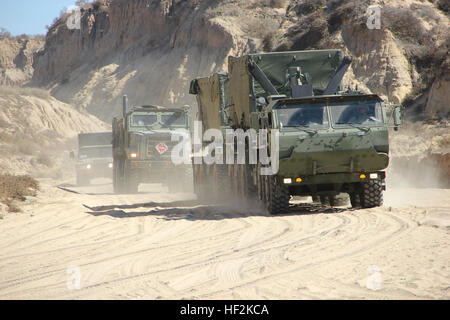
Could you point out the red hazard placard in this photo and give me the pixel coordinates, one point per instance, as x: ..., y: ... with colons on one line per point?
x: 162, y: 147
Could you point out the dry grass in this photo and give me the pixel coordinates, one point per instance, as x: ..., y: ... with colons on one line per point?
x: 16, y: 188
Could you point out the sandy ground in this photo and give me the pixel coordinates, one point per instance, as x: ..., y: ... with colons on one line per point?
x: 155, y: 245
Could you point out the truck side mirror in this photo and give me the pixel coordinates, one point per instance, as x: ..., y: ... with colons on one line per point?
x: 398, y: 117
x: 193, y: 88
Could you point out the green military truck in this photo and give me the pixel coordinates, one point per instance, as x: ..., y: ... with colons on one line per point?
x: 142, y: 145
x: 330, y: 141
x: 94, y: 159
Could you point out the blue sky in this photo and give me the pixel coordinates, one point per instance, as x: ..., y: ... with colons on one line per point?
x: 30, y: 16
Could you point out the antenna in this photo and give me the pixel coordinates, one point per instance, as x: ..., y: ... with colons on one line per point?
x: 387, y: 94
x: 124, y: 106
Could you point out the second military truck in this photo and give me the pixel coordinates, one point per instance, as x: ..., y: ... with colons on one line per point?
x: 330, y: 141
x: 142, y: 146
x: 94, y: 157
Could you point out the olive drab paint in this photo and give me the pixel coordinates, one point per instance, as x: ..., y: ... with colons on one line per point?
x: 317, y: 156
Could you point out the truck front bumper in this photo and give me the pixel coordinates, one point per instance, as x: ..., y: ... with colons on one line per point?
x: 336, y: 178
x: 96, y: 170
x: 330, y: 183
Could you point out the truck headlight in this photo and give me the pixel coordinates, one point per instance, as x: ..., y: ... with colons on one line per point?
x: 373, y: 176
x: 287, y: 180
x: 110, y: 165
x: 132, y: 155
x: 88, y: 166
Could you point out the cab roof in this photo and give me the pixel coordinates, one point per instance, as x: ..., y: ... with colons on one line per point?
x: 156, y: 108
x: 330, y: 98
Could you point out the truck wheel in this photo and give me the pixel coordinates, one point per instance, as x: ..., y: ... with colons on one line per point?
x: 324, y: 200
x: 316, y: 199
x: 372, y: 194
x: 355, y: 199
x: 118, y: 177
x: 277, y: 196
x: 115, y: 180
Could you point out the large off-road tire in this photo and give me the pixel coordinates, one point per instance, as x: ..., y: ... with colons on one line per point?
x: 355, y: 199
x: 371, y: 194
x: 277, y: 196
x: 324, y: 200
x: 123, y: 180
x: 118, y: 177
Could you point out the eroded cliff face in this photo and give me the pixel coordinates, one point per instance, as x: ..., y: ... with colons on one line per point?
x: 147, y: 49
x: 16, y: 60
x: 151, y: 49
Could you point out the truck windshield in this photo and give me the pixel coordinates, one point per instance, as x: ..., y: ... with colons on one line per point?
x: 157, y: 120
x: 143, y: 120
x: 310, y: 116
x: 363, y: 113
x: 173, y: 119
x: 95, y: 152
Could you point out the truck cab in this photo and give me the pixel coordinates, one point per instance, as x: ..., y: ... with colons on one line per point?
x: 142, y: 145
x: 94, y: 158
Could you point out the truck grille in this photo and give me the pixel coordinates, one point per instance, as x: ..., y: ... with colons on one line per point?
x: 165, y: 146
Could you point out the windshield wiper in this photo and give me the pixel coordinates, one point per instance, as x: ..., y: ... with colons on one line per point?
x: 168, y: 123
x: 310, y: 131
x: 354, y: 125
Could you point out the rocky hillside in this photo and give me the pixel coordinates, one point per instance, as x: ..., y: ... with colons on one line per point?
x: 16, y: 59
x: 150, y: 49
